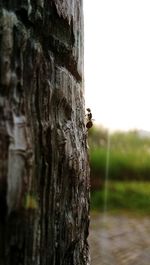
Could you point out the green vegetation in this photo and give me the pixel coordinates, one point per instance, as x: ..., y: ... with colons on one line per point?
x: 123, y: 196
x: 129, y: 171
x: 129, y: 155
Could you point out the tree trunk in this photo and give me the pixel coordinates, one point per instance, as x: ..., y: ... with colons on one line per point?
x: 44, y: 173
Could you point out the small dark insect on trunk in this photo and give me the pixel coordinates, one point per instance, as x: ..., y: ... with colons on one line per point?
x: 44, y: 173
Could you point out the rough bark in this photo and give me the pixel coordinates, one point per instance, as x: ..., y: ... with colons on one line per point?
x: 44, y: 174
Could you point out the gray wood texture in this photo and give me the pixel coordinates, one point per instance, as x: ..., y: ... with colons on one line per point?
x: 44, y: 171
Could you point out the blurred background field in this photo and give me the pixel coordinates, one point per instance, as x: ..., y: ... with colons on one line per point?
x: 125, y: 158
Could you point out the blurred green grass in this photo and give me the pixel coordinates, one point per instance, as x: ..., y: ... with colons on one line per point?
x: 122, y: 166
x: 129, y: 155
x: 128, y: 172
x: 123, y: 196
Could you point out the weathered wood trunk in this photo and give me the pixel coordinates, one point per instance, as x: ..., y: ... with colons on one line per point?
x: 44, y: 174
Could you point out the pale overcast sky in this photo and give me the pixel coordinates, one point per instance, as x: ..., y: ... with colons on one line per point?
x: 117, y: 62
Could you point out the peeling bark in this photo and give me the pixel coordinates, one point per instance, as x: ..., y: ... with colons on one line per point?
x: 44, y: 173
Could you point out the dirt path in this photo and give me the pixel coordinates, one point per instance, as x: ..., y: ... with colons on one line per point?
x: 120, y: 240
